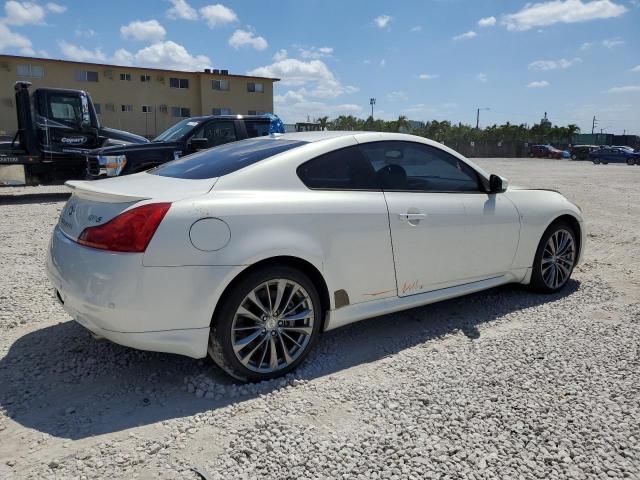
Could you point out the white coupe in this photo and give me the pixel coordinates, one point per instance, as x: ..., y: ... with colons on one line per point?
x: 250, y: 250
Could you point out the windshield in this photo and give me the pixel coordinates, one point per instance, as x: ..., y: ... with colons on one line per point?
x: 179, y: 130
x: 225, y: 159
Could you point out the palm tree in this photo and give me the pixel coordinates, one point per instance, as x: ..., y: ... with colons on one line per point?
x: 572, y: 131
x: 402, y: 124
x: 323, y: 121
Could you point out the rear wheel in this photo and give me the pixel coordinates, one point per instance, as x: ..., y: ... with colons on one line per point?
x: 596, y: 161
x: 630, y: 161
x: 266, y: 325
x: 555, y: 258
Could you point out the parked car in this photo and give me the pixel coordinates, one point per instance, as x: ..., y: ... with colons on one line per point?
x: 187, y: 136
x: 250, y: 250
x: 545, y: 151
x: 581, y: 152
x: 615, y: 155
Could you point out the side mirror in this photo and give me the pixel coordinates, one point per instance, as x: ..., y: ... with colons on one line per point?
x: 199, y: 144
x: 498, y: 184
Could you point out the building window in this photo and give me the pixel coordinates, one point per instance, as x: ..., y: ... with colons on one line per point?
x: 220, y: 111
x: 126, y: 108
x: 255, y: 87
x: 97, y: 108
x: 125, y: 76
x: 220, y: 84
x: 180, y: 112
x: 178, y: 82
x: 109, y: 107
x: 252, y: 112
x: 147, y: 109
x: 26, y: 70
x: 86, y: 76
x: 145, y: 78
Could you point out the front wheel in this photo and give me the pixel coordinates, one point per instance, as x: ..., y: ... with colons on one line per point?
x: 267, y: 324
x: 596, y: 161
x: 630, y: 161
x: 555, y: 258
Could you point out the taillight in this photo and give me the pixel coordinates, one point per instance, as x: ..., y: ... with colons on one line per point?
x: 130, y: 231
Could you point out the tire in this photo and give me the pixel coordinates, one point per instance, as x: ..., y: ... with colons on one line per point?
x: 256, y: 331
x: 574, y: 157
x: 552, y: 271
x: 630, y: 161
x: 596, y: 161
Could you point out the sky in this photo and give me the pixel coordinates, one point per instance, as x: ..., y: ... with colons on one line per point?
x: 429, y: 59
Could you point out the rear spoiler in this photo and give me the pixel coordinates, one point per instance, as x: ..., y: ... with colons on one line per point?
x: 91, y: 191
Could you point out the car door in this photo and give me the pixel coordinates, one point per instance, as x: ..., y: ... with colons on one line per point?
x: 216, y: 132
x: 445, y: 229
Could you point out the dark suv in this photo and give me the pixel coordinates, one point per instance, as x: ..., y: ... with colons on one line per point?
x: 581, y: 152
x: 187, y: 136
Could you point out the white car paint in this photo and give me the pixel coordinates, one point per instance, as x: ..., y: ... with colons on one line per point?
x: 361, y: 242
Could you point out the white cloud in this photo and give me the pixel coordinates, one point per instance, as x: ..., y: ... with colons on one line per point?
x: 81, y: 54
x: 11, y: 40
x: 43, y: 54
x: 545, y: 65
x: 561, y: 11
x: 398, y: 95
x: 295, y: 108
x: 487, y: 22
x: 382, y: 21
x: 625, y: 89
x: 466, y: 36
x: 216, y: 15
x: 280, y: 55
x: 313, y: 77
x: 88, y: 33
x: 482, y: 77
x: 242, y: 38
x: 382, y: 63
x: 181, y: 10
x: 612, y: 42
x: 427, y: 76
x: 635, y: 69
x: 417, y: 28
x: 170, y: 55
x: 56, y: 8
x: 167, y: 54
x: 23, y: 13
x: 538, y: 84
x: 148, y: 31
x: 586, y: 46
x: 315, y: 52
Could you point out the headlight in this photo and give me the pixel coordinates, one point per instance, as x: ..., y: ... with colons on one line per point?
x: 112, y: 165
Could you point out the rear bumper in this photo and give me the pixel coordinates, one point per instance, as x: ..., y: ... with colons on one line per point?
x: 165, y: 309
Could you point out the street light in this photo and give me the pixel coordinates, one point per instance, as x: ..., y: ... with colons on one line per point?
x: 372, y: 102
x: 478, y: 115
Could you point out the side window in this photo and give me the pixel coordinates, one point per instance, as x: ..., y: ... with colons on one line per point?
x: 408, y: 166
x: 257, y: 128
x: 344, y: 169
x: 217, y: 133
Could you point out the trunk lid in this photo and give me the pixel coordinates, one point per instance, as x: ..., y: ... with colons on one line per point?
x: 96, y: 202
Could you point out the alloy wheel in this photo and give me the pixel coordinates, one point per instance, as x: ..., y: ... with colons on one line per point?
x: 272, y: 326
x: 558, y: 259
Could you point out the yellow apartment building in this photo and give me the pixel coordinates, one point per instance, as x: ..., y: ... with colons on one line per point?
x: 145, y: 101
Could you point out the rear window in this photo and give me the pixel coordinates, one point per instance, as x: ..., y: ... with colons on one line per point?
x: 225, y: 159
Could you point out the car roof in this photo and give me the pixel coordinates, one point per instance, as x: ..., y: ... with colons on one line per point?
x: 231, y: 117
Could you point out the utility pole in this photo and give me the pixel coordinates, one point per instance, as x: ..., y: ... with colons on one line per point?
x: 593, y: 124
x: 478, y: 116
x: 372, y: 102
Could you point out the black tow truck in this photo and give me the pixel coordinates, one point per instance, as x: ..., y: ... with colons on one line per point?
x: 56, y: 129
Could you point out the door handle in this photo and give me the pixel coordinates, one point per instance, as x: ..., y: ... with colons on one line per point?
x: 412, y: 216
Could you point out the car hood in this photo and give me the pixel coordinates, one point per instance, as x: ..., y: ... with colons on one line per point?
x: 122, y: 136
x: 142, y: 147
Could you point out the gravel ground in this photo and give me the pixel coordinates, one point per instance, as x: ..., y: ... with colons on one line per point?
x: 500, y: 384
